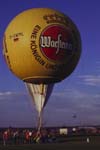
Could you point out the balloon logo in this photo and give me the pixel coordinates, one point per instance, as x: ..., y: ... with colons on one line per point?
x: 56, y: 42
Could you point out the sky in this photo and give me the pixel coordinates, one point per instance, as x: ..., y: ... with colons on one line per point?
x: 75, y: 100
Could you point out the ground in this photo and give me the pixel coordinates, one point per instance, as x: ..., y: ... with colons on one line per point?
x: 56, y: 146
x: 72, y: 144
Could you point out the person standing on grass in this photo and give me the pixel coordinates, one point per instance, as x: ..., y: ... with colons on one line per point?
x: 5, y: 137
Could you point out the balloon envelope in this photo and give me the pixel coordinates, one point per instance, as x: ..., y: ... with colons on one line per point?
x: 42, y: 45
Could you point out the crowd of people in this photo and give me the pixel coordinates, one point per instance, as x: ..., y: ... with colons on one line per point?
x: 17, y: 136
x: 26, y: 136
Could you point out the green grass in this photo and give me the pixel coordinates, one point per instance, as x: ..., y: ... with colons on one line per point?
x: 68, y: 145
x: 56, y: 146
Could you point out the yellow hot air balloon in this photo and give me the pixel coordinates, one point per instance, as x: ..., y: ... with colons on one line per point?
x: 42, y: 46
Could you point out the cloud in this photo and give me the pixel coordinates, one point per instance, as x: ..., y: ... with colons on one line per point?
x: 98, y: 66
x: 10, y: 95
x: 73, y: 100
x: 97, y: 96
x: 63, y: 104
x: 16, y: 109
x: 98, y: 62
x: 5, y: 93
x: 91, y: 80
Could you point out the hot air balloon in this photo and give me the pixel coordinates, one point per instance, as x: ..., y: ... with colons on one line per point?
x: 41, y: 46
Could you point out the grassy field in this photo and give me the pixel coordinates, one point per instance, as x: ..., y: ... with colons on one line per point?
x: 56, y: 146
x: 94, y: 144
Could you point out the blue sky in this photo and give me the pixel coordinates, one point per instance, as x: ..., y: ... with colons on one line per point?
x: 79, y: 94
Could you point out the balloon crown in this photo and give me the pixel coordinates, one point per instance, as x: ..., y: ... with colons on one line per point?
x: 52, y: 18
